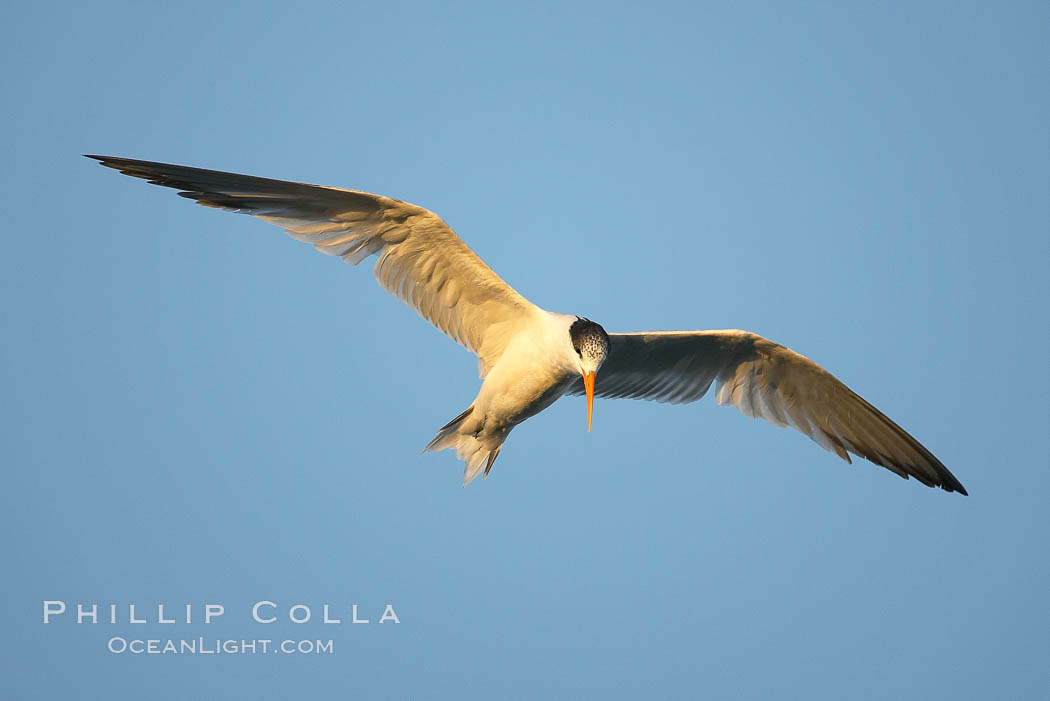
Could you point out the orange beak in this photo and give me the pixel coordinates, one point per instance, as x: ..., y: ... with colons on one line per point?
x: 588, y: 384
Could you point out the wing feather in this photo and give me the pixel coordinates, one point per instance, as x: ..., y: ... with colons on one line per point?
x: 421, y: 260
x: 763, y: 380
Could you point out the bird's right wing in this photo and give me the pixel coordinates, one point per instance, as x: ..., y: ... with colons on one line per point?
x: 421, y: 260
x: 763, y: 380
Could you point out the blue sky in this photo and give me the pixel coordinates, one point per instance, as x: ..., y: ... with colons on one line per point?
x: 201, y: 410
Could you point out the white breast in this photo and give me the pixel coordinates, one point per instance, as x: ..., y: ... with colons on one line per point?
x: 536, y: 369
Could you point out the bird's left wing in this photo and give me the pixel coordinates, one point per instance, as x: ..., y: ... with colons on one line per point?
x: 421, y: 260
x: 763, y: 380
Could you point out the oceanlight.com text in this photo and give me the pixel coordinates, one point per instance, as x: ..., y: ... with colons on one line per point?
x: 214, y: 646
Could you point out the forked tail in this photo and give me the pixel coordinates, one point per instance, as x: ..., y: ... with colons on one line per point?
x: 472, y: 445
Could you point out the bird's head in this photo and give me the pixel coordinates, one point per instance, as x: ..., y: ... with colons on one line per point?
x: 591, y: 345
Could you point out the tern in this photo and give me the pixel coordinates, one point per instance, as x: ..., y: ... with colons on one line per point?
x: 528, y: 357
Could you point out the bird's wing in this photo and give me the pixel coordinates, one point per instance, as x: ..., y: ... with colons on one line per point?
x: 421, y: 260
x: 763, y: 380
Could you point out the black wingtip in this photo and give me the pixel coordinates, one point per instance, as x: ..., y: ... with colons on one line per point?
x: 949, y: 483
x: 120, y: 162
x: 108, y: 161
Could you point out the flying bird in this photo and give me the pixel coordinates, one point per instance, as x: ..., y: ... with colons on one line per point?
x: 529, y: 357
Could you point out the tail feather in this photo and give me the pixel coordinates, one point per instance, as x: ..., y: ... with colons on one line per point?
x: 478, y: 451
x: 446, y: 435
x: 479, y: 454
x: 456, y: 421
x: 492, y: 458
